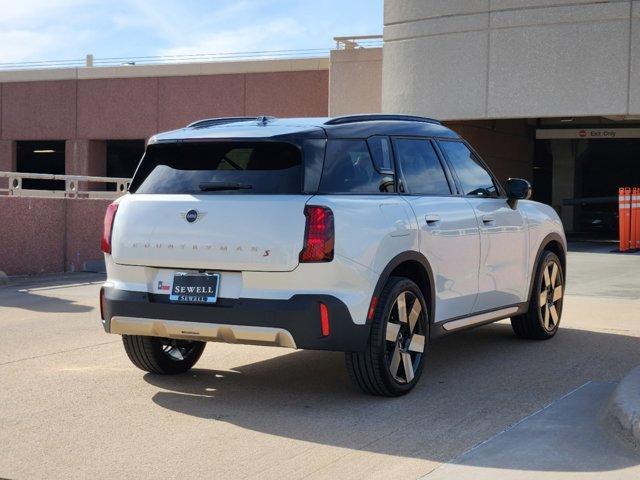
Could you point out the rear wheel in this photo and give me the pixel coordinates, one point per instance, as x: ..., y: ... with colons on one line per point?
x: 545, y: 306
x: 162, y: 355
x: 393, y: 359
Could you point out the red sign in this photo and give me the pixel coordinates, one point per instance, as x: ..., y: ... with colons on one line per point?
x: 582, y: 133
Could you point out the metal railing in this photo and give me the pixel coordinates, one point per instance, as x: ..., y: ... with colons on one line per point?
x: 91, y: 61
x: 358, y: 41
x: 75, y: 186
x: 354, y: 41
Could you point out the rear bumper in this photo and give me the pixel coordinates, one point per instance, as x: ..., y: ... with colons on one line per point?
x: 293, y: 323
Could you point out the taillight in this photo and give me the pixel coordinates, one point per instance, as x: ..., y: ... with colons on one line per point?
x: 318, y: 235
x: 110, y: 214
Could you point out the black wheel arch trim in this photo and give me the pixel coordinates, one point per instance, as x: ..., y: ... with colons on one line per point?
x: 409, y: 256
x: 552, y: 237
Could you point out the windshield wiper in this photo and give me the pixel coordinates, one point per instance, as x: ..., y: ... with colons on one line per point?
x: 216, y: 186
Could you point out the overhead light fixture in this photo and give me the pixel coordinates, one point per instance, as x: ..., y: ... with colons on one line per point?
x: 566, y: 119
x: 44, y: 151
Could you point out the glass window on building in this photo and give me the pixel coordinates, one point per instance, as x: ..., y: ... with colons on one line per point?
x: 123, y: 157
x: 46, y: 156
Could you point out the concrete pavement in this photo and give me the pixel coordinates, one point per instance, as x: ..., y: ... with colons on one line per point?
x: 565, y: 440
x: 72, y: 406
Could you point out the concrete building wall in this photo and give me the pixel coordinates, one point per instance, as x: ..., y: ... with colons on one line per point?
x: 355, y: 81
x: 44, y: 235
x: 86, y: 106
x: 478, y: 59
x: 505, y: 145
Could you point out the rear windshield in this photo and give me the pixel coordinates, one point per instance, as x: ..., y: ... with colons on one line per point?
x: 211, y: 168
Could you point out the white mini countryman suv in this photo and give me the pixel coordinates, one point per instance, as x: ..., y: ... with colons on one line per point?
x: 372, y: 235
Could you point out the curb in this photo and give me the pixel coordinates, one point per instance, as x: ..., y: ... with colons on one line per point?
x: 4, y: 280
x: 623, y: 411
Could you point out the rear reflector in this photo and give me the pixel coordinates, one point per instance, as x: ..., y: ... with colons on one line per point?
x: 324, y: 320
x: 110, y: 214
x: 102, y: 303
x: 372, y: 308
x: 318, y: 235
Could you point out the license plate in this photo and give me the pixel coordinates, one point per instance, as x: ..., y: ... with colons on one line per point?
x: 195, y: 288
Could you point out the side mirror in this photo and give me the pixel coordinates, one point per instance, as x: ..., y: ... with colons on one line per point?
x: 517, y: 189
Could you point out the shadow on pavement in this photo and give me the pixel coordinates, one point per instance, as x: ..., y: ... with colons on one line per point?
x: 475, y: 382
x: 36, y: 302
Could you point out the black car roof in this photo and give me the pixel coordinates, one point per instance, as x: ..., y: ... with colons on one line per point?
x: 353, y: 126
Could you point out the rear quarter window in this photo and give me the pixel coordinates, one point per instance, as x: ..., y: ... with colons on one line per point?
x: 220, y: 168
x: 348, y: 168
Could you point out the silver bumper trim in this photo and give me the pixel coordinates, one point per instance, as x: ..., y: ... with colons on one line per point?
x: 205, y: 332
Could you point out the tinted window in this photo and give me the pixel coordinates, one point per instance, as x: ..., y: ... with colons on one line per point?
x: 474, y: 179
x: 220, y: 168
x: 421, y: 168
x: 348, y: 168
x: 381, y: 152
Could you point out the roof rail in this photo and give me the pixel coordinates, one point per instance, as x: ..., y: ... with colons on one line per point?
x: 378, y: 117
x: 210, y: 122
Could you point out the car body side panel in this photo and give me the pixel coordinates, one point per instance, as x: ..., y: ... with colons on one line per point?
x: 451, y: 244
x: 370, y: 229
x: 504, y: 261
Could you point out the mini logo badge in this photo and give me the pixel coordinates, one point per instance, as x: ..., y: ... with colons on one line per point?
x: 192, y: 215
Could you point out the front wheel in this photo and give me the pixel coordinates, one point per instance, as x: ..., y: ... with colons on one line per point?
x: 392, y: 362
x: 545, y: 306
x: 162, y: 355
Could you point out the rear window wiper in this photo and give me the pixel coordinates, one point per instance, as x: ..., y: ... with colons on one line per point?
x: 214, y: 186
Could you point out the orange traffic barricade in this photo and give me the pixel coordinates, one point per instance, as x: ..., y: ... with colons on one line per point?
x: 632, y: 218
x: 624, y: 204
x: 635, y: 200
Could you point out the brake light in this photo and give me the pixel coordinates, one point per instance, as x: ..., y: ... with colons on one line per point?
x: 318, y: 235
x: 110, y: 214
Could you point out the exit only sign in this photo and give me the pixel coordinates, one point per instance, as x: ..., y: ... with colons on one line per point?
x: 587, y: 133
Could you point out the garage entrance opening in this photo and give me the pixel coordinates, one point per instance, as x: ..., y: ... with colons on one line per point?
x: 603, y: 167
x: 41, y: 157
x: 123, y: 157
x: 584, y: 168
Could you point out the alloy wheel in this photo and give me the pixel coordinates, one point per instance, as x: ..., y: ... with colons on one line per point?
x: 177, y: 350
x: 551, y: 293
x: 405, y: 337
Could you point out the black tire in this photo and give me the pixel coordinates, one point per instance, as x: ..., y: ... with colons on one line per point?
x: 542, y: 320
x: 162, y: 355
x: 371, y: 370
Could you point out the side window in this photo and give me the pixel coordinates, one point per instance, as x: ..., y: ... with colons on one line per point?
x: 421, y: 167
x: 381, y: 153
x: 474, y: 178
x: 348, y: 168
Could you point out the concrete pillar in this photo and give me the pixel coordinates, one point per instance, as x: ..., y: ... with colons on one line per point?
x: 355, y: 81
x: 86, y: 157
x: 7, y: 159
x: 564, y: 166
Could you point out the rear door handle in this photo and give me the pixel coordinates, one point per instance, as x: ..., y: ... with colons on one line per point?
x: 431, y: 219
x: 488, y: 219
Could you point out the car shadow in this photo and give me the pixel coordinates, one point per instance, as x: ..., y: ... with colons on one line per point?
x: 475, y: 382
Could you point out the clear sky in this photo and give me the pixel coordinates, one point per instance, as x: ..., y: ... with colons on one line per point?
x: 69, y: 29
